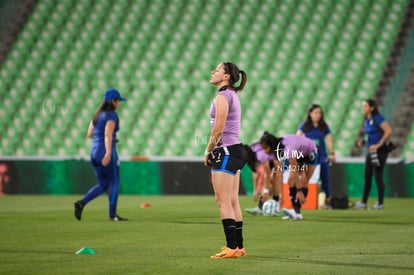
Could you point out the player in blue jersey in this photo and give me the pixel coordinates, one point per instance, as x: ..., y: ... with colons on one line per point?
x: 104, y: 158
x: 318, y: 130
x: 378, y: 132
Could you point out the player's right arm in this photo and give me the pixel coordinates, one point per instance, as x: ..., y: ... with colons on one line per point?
x: 300, y: 133
x: 222, y: 110
x: 277, y: 179
x: 255, y: 178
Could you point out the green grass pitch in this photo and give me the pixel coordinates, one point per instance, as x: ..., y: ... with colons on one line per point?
x: 39, y: 235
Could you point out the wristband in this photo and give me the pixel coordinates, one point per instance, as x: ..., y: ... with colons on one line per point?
x: 300, y: 190
x: 265, y: 191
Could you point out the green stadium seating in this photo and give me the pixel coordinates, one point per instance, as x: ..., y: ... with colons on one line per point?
x: 408, y: 148
x: 159, y: 54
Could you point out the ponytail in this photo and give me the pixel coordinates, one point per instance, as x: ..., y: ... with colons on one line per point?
x: 373, y: 104
x: 234, y: 72
x: 242, y: 82
x: 106, y: 105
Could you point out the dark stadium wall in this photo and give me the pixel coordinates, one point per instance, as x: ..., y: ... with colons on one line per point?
x: 185, y: 178
x: 170, y: 178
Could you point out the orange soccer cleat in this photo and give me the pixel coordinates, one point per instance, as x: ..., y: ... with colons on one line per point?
x: 226, y: 253
x: 241, y: 252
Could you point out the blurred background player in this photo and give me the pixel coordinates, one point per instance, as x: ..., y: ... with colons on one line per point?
x: 261, y: 165
x: 378, y: 131
x: 8, y: 178
x: 318, y: 130
x: 302, y: 155
x: 104, y: 158
x: 226, y: 155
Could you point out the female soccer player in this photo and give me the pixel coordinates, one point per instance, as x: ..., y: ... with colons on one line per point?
x: 302, y: 154
x: 262, y: 166
x: 104, y: 158
x: 318, y: 130
x: 226, y: 155
x: 378, y: 131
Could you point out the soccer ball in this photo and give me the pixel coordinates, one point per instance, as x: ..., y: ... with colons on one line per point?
x: 270, y: 208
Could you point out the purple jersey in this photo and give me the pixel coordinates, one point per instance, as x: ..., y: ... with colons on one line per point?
x: 261, y: 155
x: 232, y: 126
x: 296, y: 147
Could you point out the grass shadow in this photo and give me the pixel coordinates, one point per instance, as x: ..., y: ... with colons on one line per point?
x: 330, y: 263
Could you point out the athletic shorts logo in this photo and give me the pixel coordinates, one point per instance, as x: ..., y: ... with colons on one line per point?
x: 218, y: 158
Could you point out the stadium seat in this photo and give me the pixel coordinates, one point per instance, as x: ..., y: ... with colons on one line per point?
x: 295, y: 53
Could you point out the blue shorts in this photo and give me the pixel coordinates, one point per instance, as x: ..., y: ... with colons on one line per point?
x: 229, y: 159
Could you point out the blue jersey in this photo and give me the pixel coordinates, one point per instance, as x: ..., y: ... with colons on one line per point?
x: 98, y: 140
x: 373, y: 130
x: 318, y: 136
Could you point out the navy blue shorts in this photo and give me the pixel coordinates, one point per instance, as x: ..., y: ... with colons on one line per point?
x: 229, y: 159
x: 312, y: 159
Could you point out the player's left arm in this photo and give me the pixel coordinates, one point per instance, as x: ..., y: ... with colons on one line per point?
x: 293, y: 179
x: 386, y: 128
x: 109, y: 130
x: 90, y: 130
x: 296, y: 181
x: 329, y: 143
